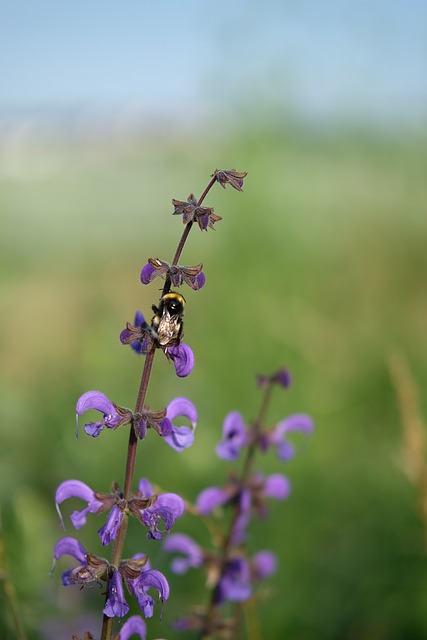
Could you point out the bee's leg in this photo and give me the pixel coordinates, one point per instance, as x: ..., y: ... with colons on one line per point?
x: 180, y: 334
x: 150, y: 330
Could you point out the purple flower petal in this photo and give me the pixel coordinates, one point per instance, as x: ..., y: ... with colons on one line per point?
x: 109, y: 531
x: 283, y: 378
x: 181, y: 543
x: 277, y: 486
x: 124, y: 336
x: 146, y: 488
x: 70, y: 547
x: 203, y: 221
x: 168, y: 507
x: 165, y: 427
x: 182, y: 407
x: 139, y: 586
x: 181, y: 438
x: 234, y: 585
x: 234, y: 436
x: 209, y: 499
x: 145, y: 601
x: 238, y: 534
x: 116, y: 604
x: 133, y: 625
x: 172, y: 501
x: 94, y: 400
x: 98, y: 401
x: 152, y: 517
x: 200, y: 280
x: 148, y: 273
x: 66, y: 578
x: 183, y: 359
x: 155, y: 579
x: 77, y: 489
x: 141, y: 343
x: 141, y: 428
x: 93, y: 429
x: 263, y: 565
x: 139, y: 346
x: 139, y: 319
x: 296, y: 422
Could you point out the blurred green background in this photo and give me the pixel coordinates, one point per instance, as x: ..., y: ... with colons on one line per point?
x: 319, y: 265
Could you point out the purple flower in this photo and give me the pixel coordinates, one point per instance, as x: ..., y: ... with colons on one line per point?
x: 110, y: 529
x: 181, y: 543
x: 282, y: 378
x: 77, y: 489
x: 145, y: 488
x: 234, y: 436
x: 167, y: 508
x: 296, y: 422
x: 116, y: 604
x: 277, y: 486
x: 139, y: 346
x: 149, y: 273
x: 234, y: 585
x: 133, y: 625
x: 70, y: 547
x: 173, y: 502
x: 137, y: 335
x: 238, y: 534
x: 181, y: 437
x: 263, y: 565
x: 235, y: 582
x: 183, y: 359
x: 211, y: 498
x: 92, y: 569
x: 148, y: 578
x: 98, y: 401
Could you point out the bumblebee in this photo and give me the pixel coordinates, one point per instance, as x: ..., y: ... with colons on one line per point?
x: 167, y: 322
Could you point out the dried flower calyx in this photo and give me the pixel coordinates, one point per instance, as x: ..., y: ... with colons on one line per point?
x: 231, y: 177
x: 191, y: 212
x: 193, y: 276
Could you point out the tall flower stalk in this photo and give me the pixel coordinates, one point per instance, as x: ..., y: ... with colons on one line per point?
x: 157, y: 512
x: 232, y: 572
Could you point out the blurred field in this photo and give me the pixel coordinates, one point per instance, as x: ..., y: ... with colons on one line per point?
x: 320, y: 266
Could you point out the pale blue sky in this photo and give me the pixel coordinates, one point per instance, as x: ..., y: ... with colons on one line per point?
x: 322, y: 58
